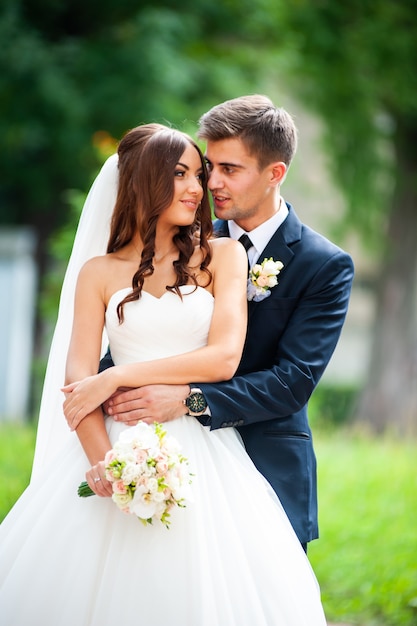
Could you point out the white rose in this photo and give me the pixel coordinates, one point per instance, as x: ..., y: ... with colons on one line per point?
x: 272, y: 281
x: 127, y: 457
x: 121, y: 499
x: 152, y: 485
x: 142, y: 435
x: 131, y: 473
x: 271, y: 267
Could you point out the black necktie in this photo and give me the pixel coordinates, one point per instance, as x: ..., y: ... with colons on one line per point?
x: 246, y: 243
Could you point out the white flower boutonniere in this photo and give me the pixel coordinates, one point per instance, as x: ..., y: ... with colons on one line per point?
x: 262, y: 277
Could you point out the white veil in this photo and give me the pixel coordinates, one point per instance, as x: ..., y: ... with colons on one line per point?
x: 90, y: 240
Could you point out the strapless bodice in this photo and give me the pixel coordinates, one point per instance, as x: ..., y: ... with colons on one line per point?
x: 154, y: 328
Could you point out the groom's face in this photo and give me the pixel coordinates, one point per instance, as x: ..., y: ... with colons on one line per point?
x: 241, y: 190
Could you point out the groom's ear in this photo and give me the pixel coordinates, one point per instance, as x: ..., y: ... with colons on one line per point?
x: 278, y: 171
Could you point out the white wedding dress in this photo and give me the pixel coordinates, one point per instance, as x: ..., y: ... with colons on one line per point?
x: 230, y: 558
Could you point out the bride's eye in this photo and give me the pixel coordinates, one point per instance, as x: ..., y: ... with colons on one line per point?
x: 179, y: 173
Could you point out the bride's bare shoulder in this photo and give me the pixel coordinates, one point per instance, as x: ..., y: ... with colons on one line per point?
x: 98, y: 264
x: 225, y: 247
x: 100, y: 268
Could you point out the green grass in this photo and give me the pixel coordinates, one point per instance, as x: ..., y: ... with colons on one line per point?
x: 16, y: 453
x: 366, y: 557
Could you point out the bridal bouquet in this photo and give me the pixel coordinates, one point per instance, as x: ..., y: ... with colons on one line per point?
x: 149, y: 475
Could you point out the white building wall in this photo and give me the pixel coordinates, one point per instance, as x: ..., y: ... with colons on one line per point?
x: 17, y: 308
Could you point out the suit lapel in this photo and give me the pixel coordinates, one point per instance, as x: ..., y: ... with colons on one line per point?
x: 279, y: 246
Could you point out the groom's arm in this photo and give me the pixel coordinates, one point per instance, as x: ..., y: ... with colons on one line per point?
x: 283, y: 387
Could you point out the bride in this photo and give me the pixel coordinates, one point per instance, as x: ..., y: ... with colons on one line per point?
x: 172, y: 302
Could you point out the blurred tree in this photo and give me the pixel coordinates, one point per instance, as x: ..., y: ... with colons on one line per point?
x: 68, y: 70
x: 355, y: 64
x: 73, y: 75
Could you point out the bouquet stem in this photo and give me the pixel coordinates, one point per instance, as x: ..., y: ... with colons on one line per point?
x: 84, y: 490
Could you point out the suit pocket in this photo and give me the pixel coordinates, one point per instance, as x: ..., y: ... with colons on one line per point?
x: 286, y: 434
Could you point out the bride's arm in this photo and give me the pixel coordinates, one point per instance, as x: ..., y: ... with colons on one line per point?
x: 84, y: 354
x: 218, y: 360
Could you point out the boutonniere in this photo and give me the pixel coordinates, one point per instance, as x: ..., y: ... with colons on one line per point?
x: 262, y: 277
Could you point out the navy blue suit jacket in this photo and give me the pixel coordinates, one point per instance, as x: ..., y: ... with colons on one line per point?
x: 291, y: 337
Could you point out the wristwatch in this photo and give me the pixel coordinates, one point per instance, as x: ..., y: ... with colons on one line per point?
x: 195, y: 402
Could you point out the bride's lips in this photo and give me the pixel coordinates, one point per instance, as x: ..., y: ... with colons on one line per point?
x: 191, y: 204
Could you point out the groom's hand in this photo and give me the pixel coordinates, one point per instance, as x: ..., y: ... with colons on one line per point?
x: 152, y: 403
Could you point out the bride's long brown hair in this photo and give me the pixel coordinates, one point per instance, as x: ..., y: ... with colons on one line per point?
x: 148, y: 156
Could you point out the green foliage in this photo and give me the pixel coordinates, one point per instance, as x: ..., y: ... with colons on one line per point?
x: 75, y: 18
x: 59, y: 249
x: 331, y: 405
x: 17, y: 444
x: 354, y: 64
x: 365, y: 557
x: 65, y: 75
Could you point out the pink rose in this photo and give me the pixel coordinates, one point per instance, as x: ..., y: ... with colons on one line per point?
x: 162, y: 466
x: 110, y: 456
x: 119, y: 487
x: 141, y: 455
x: 262, y: 281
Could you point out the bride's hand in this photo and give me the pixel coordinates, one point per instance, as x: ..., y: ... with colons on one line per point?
x: 97, y: 481
x: 83, y: 396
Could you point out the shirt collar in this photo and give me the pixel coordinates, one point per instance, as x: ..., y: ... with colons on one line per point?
x: 260, y: 235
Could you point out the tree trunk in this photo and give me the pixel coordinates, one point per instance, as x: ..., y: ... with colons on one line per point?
x: 388, y: 402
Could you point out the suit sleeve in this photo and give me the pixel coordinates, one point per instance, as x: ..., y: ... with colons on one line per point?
x: 106, y: 362
x: 302, y: 353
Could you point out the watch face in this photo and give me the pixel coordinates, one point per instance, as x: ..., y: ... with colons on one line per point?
x: 196, y: 402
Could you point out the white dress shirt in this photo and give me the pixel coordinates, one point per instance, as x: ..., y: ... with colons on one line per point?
x: 260, y: 235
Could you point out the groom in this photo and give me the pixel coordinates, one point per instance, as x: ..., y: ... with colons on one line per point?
x: 292, y: 333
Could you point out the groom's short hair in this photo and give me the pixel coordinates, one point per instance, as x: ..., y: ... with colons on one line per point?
x: 268, y: 132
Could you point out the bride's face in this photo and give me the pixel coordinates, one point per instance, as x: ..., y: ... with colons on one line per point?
x: 188, y: 190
